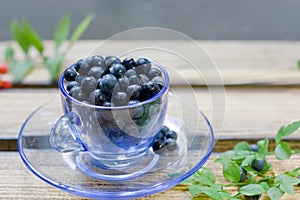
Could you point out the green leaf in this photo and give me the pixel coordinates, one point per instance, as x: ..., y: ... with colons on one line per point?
x: 62, y: 30
x: 252, y: 189
x: 33, y: 37
x: 9, y: 53
x: 19, y: 69
x: 242, y: 146
x: 262, y: 148
x: 81, y: 28
x: 287, y: 188
x: 286, y: 131
x: 195, y: 189
x: 19, y: 35
x: 204, y: 176
x: 248, y: 161
x: 211, y: 193
x: 275, y: 193
x: 265, y: 186
x: 283, y: 151
x: 298, y: 64
x: 283, y: 178
x: 54, y: 65
x: 231, y: 171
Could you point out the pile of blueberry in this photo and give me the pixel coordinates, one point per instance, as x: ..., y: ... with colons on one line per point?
x: 165, y: 140
x: 112, y: 82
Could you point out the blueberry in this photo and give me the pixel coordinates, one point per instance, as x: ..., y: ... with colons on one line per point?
x: 149, y: 90
x: 123, y: 83
x: 108, y: 83
x: 134, y: 80
x: 136, y: 112
x: 134, y: 91
x: 97, y: 60
x: 159, y: 146
x: 253, y: 197
x: 243, y: 174
x: 153, y: 73
x: 76, y: 92
x: 160, y: 136
x: 164, y: 129
x: 88, y: 84
x: 82, y: 66
x: 72, y: 84
x: 117, y: 70
x: 111, y: 60
x: 70, y: 74
x: 143, y: 78
x: 120, y: 99
x: 143, y: 66
x: 79, y: 78
x: 171, y: 144
x: 254, y: 147
x: 128, y: 63
x: 96, y: 97
x: 258, y: 165
x: 159, y: 81
x: 130, y: 72
x: 171, y: 134
x: 96, y: 72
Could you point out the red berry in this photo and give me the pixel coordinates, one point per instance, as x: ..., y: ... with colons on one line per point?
x: 7, y: 84
x: 3, y: 68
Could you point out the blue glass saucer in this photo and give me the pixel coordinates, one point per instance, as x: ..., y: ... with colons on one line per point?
x: 194, y: 146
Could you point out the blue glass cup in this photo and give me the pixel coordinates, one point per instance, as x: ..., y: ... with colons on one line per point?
x: 109, y: 137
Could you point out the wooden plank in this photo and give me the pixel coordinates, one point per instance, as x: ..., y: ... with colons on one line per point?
x: 247, y: 113
x: 238, y: 62
x: 17, y: 182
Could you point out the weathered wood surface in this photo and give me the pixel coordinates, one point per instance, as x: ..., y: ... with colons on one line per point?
x: 238, y: 62
x: 17, y: 182
x: 248, y: 112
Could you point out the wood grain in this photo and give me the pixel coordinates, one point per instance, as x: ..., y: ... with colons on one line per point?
x: 238, y: 62
x: 247, y: 113
x: 17, y: 182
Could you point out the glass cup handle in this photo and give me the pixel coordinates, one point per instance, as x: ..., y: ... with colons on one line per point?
x: 64, y: 135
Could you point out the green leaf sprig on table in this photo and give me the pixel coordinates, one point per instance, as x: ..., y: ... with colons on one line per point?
x: 27, y: 39
x: 247, y: 170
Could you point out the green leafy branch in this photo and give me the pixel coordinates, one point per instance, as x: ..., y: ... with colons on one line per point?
x: 27, y: 38
x: 246, y: 168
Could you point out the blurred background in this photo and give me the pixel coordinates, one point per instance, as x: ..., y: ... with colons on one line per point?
x: 204, y: 19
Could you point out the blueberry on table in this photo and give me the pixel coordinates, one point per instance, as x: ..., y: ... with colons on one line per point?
x: 107, y: 83
x: 164, y: 129
x: 128, y: 63
x: 171, y: 134
x: 117, y: 70
x: 153, y: 73
x: 243, y: 174
x: 159, y: 146
x: 72, y: 84
x: 96, y: 72
x: 171, y: 144
x: 143, y: 66
x: 253, y: 197
x: 88, y: 84
x: 258, y: 165
x: 111, y: 60
x: 70, y: 74
x: 76, y: 92
x: 254, y: 147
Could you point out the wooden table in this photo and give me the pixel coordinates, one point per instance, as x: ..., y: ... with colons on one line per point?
x: 262, y: 85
